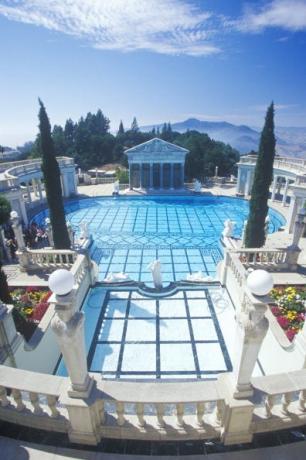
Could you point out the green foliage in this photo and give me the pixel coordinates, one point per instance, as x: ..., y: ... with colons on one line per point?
x: 205, y: 154
x: 90, y: 143
x: 255, y: 230
x: 5, y: 209
x: 4, y: 289
x: 122, y: 176
x: 53, y: 187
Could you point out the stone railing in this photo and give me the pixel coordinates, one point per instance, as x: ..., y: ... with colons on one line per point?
x: 294, y: 165
x: 49, y: 258
x: 21, y: 168
x: 282, y: 401
x: 152, y: 410
x: 277, y: 259
x: 32, y: 399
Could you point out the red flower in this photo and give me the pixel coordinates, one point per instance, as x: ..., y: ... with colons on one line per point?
x: 283, y: 321
x: 290, y: 333
x: 39, y: 311
x: 276, y: 311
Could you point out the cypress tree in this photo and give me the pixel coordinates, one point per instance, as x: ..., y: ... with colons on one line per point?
x: 5, y: 209
x: 134, y: 125
x: 255, y: 230
x: 121, y: 128
x: 53, y: 187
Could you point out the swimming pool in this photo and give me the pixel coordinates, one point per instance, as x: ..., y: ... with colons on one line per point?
x: 183, y: 232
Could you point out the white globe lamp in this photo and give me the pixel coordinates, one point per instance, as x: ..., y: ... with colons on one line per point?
x: 260, y: 282
x: 14, y: 215
x: 61, y: 282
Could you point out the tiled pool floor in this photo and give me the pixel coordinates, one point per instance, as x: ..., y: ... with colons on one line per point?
x: 183, y: 232
x: 186, y: 335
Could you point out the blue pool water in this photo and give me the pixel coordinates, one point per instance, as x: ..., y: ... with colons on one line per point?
x: 188, y: 334
x: 182, y: 232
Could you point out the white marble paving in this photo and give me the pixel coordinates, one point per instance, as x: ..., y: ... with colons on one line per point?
x: 139, y: 357
x: 141, y: 330
x: 204, y: 329
x: 198, y: 307
x: 210, y: 357
x: 172, y: 308
x: 176, y: 357
x: 174, y: 329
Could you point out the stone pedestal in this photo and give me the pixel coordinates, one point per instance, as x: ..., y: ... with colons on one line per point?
x: 237, y: 415
x: 252, y: 327
x: 68, y: 326
x: 10, y: 339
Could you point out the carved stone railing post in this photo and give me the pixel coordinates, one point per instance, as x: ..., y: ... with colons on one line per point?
x: 22, y: 254
x: 80, y: 400
x: 252, y: 327
x: 293, y: 251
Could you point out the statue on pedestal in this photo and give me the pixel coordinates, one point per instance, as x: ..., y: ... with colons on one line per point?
x: 155, y: 268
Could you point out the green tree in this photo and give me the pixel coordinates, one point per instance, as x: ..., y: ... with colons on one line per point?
x: 134, y: 125
x: 5, y: 209
x: 53, y: 187
x: 121, y: 129
x: 255, y: 229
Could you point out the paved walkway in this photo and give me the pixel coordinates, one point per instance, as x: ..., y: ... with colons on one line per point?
x: 12, y: 449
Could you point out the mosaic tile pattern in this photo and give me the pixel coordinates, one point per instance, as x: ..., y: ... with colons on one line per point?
x: 174, y: 337
x: 182, y: 232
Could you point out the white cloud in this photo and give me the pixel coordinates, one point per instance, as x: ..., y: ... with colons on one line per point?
x: 162, y: 26
x: 286, y: 14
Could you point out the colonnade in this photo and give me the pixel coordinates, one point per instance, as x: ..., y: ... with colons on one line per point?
x: 36, y: 185
x: 156, y: 175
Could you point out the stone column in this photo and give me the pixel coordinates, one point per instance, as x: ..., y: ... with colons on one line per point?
x: 140, y: 174
x: 80, y: 400
x: 252, y: 327
x: 294, y: 249
x: 171, y: 176
x: 161, y: 175
x: 40, y: 190
x: 274, y: 186
x: 29, y: 193
x: 23, y: 255
x: 183, y: 174
x: 248, y: 183
x: 130, y: 176
x: 68, y: 326
x: 285, y: 192
x: 151, y: 176
x: 295, y: 204
x: 10, y: 339
x: 49, y: 231
x: 238, y: 185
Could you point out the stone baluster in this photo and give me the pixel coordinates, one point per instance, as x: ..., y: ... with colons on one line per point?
x: 52, y: 402
x: 218, y: 412
x: 200, y: 413
x: 269, y: 403
x: 286, y: 400
x: 302, y: 400
x: 140, y: 414
x: 180, y: 410
x: 18, y: 400
x: 160, y: 410
x: 120, y: 413
x: 3, y: 397
x: 101, y: 411
x: 34, y: 398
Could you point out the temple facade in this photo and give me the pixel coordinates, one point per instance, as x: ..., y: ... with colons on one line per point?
x: 156, y: 164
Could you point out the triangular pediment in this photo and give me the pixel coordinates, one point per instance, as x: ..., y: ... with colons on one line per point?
x: 156, y: 145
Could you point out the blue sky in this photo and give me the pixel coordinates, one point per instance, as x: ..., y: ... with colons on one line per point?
x: 159, y: 60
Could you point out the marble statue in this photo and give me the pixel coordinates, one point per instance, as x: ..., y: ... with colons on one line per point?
x: 199, y: 277
x: 197, y: 186
x: 155, y: 268
x: 84, y: 231
x: 116, y: 277
x: 267, y: 222
x: 116, y: 188
x: 228, y: 228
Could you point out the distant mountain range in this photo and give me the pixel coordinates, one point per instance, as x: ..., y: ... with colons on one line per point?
x: 290, y: 141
